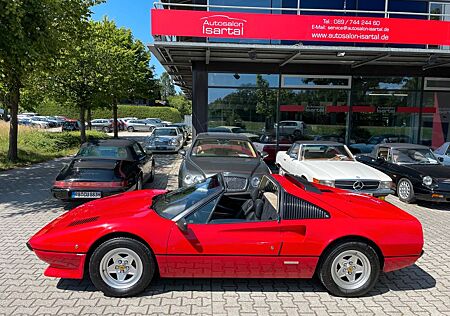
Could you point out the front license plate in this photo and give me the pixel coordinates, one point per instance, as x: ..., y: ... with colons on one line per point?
x: 86, y: 195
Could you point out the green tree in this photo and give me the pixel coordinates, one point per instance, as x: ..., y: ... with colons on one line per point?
x: 167, y: 87
x: 266, y: 101
x: 181, y: 103
x: 34, y: 32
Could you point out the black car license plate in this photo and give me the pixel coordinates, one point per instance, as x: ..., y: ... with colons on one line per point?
x: 86, y: 195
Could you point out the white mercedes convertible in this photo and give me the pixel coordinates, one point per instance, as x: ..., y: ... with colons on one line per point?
x: 333, y: 164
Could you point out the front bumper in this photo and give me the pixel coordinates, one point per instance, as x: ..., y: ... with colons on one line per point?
x: 378, y: 193
x: 434, y: 196
x: 66, y: 194
x: 62, y: 265
x: 163, y: 148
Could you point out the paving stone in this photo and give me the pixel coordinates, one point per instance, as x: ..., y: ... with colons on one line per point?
x: 26, y: 206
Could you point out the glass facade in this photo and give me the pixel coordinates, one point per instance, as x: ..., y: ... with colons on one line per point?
x: 359, y: 110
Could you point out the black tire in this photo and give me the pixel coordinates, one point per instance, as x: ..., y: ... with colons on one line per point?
x: 366, y: 281
x: 403, y: 186
x: 130, y: 129
x: 145, y: 255
x: 105, y: 129
x: 298, y: 133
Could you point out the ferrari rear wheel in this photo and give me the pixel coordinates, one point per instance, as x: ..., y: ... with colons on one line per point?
x: 405, y: 191
x: 121, y: 267
x: 350, y: 269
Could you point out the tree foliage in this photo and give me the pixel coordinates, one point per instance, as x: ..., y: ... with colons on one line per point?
x: 181, y: 103
x: 33, y: 34
x: 167, y: 87
x: 105, y: 65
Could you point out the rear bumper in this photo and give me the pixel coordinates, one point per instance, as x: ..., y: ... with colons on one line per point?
x: 62, y: 265
x: 396, y: 263
x: 66, y: 194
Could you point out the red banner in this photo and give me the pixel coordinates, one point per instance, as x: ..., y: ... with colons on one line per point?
x: 299, y: 27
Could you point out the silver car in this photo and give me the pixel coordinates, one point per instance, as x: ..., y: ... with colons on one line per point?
x: 165, y: 139
x: 103, y: 125
x: 139, y: 126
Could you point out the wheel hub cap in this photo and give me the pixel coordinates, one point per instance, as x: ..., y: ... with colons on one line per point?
x: 351, y: 269
x: 121, y: 268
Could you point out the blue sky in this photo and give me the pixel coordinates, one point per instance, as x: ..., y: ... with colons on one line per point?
x: 131, y: 14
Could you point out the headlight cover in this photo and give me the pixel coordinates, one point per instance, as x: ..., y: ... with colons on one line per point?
x: 385, y: 185
x: 427, y: 180
x: 193, y: 179
x: 174, y: 142
x: 255, y: 182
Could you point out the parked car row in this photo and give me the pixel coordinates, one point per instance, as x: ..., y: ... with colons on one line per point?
x: 230, y: 216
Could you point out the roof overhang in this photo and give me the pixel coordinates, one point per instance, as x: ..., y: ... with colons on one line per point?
x: 177, y: 57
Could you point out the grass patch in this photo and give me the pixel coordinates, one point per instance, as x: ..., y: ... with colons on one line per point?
x: 37, y: 146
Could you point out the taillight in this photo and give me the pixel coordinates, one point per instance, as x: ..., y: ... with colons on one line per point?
x: 84, y: 185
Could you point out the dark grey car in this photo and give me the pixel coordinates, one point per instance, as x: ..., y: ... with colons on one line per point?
x: 231, y: 154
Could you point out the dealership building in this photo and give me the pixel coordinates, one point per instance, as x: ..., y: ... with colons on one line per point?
x: 351, y: 70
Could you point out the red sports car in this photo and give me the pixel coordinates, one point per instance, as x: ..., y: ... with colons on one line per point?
x: 288, y: 228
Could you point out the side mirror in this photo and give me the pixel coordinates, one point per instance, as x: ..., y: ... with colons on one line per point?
x: 263, y: 154
x: 182, y: 224
x: 182, y: 152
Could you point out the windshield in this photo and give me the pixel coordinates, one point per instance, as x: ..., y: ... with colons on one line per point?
x: 223, y: 148
x: 414, y: 156
x: 165, y: 132
x: 173, y: 203
x: 103, y: 152
x: 326, y: 152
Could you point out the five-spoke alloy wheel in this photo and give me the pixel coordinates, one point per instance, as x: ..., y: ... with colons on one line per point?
x: 121, y: 267
x: 350, y: 269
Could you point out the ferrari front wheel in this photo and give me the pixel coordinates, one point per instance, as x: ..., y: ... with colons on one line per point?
x: 121, y: 267
x: 350, y: 269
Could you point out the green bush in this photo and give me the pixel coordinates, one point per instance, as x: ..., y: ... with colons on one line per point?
x: 164, y: 113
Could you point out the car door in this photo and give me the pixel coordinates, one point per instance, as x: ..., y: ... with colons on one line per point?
x: 223, y: 249
x: 290, y: 160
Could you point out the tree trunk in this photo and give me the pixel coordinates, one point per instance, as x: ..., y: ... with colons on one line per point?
x: 14, y: 99
x: 89, y: 118
x: 115, y: 125
x: 82, y: 124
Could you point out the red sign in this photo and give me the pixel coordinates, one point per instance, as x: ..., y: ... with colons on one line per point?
x: 299, y: 27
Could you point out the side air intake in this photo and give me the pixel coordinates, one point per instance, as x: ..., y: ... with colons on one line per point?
x: 296, y: 208
x: 83, y: 221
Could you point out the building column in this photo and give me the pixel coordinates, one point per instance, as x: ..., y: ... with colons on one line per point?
x: 199, y: 98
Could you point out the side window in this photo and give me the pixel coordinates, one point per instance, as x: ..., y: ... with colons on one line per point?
x: 137, y: 148
x: 202, y: 214
x: 293, y: 151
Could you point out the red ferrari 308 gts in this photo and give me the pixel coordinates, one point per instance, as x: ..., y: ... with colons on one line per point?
x: 289, y: 228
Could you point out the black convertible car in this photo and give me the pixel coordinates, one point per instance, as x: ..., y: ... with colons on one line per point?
x: 231, y: 154
x: 414, y: 169
x: 104, y: 168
